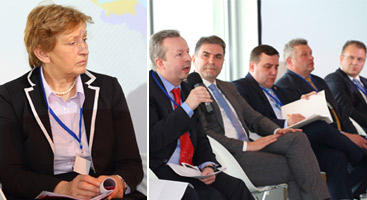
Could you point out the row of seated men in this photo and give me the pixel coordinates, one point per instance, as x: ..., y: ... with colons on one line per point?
x: 178, y: 125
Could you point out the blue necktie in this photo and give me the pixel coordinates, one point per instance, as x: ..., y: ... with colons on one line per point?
x: 359, y: 86
x: 274, y: 98
x: 232, y: 117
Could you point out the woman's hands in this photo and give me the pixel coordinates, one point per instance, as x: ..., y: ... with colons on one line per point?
x: 87, y: 187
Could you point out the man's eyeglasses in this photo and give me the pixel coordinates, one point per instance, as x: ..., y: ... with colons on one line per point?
x: 351, y: 58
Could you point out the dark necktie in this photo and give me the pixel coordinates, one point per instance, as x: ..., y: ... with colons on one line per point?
x: 187, y: 150
x: 230, y: 114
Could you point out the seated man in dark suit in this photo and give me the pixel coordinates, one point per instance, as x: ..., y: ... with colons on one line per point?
x: 332, y: 149
x: 175, y: 132
x: 281, y: 156
x: 346, y: 84
x: 298, y: 81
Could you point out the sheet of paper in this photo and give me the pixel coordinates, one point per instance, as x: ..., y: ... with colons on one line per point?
x: 164, y: 189
x: 314, y: 108
x: 191, y: 171
x: 51, y: 195
x: 308, y: 120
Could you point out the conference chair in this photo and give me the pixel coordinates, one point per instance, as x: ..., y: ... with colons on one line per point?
x: 2, y: 196
x: 233, y: 168
x: 142, y: 187
x: 360, y: 130
x: 152, y: 175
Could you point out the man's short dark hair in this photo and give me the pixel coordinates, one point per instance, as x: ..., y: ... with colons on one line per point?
x: 358, y: 44
x: 266, y: 49
x: 210, y: 40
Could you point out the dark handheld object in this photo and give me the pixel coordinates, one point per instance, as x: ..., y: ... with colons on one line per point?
x: 194, y: 80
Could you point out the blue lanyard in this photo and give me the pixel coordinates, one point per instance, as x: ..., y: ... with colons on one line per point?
x: 79, y: 139
x: 165, y: 91
x: 309, y: 83
x: 362, y: 89
x: 275, y: 98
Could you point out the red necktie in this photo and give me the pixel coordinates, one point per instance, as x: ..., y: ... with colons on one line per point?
x: 187, y: 150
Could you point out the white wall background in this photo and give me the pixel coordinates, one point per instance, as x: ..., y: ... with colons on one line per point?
x: 192, y: 18
x: 115, y: 50
x: 326, y: 24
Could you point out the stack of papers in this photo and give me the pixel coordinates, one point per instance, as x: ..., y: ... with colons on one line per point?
x: 313, y: 109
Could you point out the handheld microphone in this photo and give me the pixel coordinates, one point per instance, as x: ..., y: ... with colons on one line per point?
x: 194, y: 80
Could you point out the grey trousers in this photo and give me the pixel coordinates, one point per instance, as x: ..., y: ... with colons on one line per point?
x: 289, y: 160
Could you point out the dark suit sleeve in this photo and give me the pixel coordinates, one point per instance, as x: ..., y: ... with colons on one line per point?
x: 347, y: 125
x: 166, y: 130
x: 127, y: 162
x: 16, y: 177
x: 255, y: 101
x: 234, y: 146
x: 345, y: 98
x: 242, y: 89
x: 167, y: 125
x: 255, y: 121
x: 249, y: 118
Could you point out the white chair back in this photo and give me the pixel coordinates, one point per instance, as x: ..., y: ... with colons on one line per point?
x: 226, y: 159
x: 142, y: 187
x: 152, y: 175
x: 2, y: 196
x: 358, y: 127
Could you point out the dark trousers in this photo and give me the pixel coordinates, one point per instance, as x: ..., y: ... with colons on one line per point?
x: 341, y: 159
x: 225, y: 187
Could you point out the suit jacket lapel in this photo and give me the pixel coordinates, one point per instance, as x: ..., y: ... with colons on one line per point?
x: 39, y: 108
x: 90, y: 106
x: 260, y: 92
x: 232, y: 99
x: 162, y: 96
x: 36, y: 100
x: 218, y: 114
x: 364, y: 81
x: 354, y: 89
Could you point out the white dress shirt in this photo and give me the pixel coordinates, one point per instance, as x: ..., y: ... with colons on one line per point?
x: 67, y: 147
x: 229, y: 129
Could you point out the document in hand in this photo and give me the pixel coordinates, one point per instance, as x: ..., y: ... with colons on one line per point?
x: 107, y: 187
x: 314, y: 108
x: 191, y: 171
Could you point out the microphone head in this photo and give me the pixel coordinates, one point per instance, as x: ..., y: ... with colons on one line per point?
x: 193, y: 79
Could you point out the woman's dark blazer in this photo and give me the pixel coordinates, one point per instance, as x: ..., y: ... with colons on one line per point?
x: 26, y: 146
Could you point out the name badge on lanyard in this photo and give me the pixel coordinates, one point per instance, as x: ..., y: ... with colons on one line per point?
x: 81, y: 165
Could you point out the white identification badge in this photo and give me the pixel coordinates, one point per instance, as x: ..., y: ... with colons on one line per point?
x: 81, y: 165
